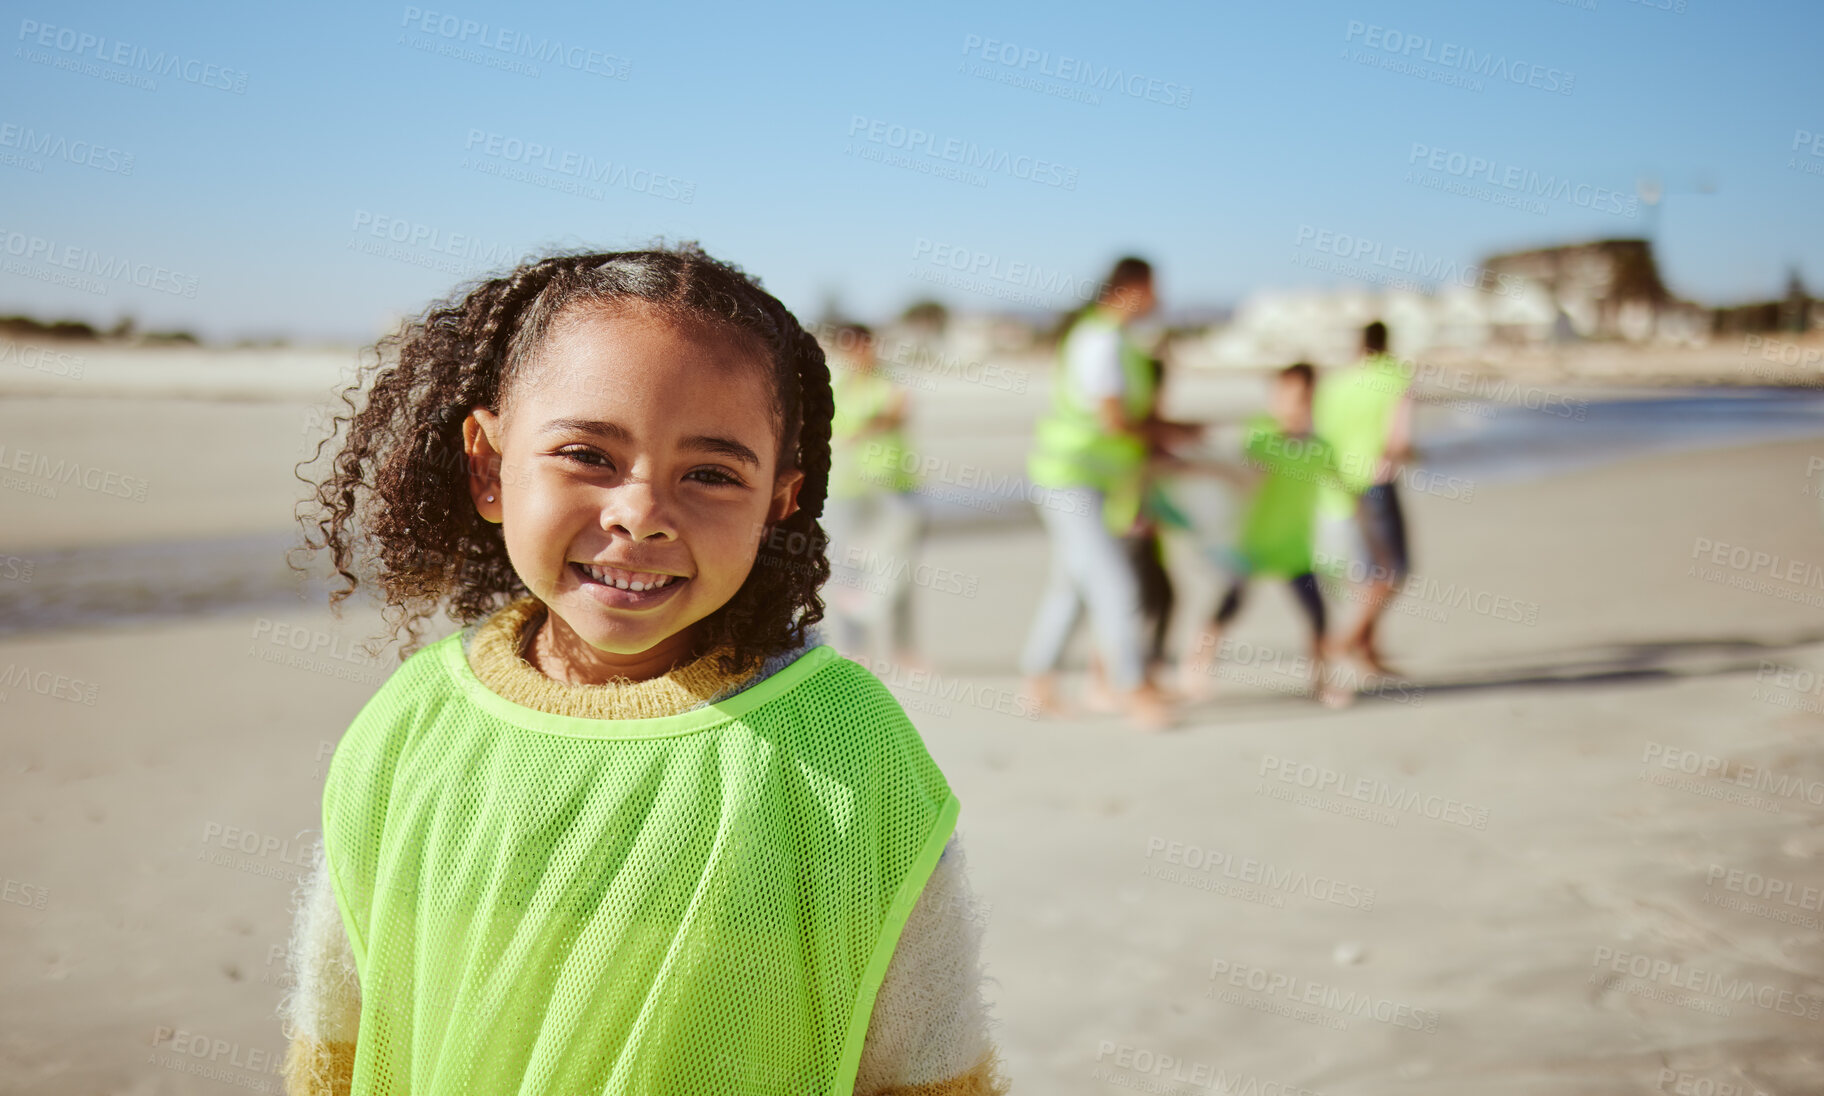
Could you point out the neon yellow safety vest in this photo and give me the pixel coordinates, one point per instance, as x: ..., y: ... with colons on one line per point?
x: 1072, y: 447
x: 1276, y: 538
x: 1353, y: 411
x: 543, y: 905
x: 865, y: 463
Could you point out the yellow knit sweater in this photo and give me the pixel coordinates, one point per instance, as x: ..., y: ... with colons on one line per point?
x: 929, y: 1032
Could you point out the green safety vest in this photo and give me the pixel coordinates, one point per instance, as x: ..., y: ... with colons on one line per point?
x: 865, y: 463
x: 1071, y: 446
x: 542, y: 904
x: 1277, y: 536
x: 1353, y: 411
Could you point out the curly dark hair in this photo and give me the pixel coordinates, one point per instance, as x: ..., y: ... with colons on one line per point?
x: 394, y: 500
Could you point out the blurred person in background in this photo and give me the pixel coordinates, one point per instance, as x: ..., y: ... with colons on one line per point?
x: 1146, y: 554
x: 1145, y: 549
x: 872, y: 516
x: 1286, y: 464
x: 1089, y: 457
x: 1365, y: 412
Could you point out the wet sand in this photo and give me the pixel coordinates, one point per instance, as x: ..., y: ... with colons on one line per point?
x: 1497, y: 877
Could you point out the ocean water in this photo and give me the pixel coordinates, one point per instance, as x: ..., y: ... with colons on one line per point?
x: 1495, y: 442
x: 89, y: 587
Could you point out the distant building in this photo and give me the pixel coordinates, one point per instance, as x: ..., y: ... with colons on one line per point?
x: 1606, y: 289
x: 1797, y: 313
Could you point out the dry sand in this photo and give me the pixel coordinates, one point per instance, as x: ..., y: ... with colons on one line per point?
x: 154, y: 806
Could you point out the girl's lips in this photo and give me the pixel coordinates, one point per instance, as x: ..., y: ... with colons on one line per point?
x: 616, y: 598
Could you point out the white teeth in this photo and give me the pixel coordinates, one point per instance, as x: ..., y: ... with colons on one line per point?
x: 604, y: 576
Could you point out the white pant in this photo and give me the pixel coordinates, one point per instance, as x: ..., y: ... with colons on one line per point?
x: 1089, y: 566
x: 873, y: 542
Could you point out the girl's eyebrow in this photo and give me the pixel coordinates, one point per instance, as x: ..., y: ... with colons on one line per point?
x: 614, y: 431
x: 727, y: 447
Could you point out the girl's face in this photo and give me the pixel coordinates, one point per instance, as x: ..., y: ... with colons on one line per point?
x: 637, y: 469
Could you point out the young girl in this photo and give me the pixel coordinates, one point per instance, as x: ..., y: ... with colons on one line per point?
x: 632, y: 830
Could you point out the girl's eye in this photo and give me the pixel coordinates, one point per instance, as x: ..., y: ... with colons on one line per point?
x: 713, y: 476
x: 584, y: 455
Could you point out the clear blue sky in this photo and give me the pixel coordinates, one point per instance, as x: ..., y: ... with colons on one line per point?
x: 345, y: 125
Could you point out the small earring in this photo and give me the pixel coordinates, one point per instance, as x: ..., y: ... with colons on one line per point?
x: 490, y: 498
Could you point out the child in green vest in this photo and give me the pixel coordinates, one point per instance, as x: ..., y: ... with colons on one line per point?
x: 633, y: 830
x: 872, y: 513
x: 1287, y: 465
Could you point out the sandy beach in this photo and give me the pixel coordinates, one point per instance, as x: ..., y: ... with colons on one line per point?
x: 1578, y: 850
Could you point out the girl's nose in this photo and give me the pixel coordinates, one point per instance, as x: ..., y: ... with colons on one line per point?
x: 636, y: 510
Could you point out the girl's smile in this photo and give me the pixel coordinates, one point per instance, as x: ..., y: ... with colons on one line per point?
x: 628, y: 589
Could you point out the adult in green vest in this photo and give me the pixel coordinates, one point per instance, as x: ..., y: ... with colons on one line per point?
x: 872, y: 517
x: 1088, y: 464
x: 1365, y: 413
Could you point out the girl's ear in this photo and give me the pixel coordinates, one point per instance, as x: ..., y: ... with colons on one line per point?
x: 481, y: 445
x: 785, y: 495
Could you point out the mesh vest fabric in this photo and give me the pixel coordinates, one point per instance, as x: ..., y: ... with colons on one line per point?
x: 705, y: 902
x: 863, y: 462
x: 1072, y: 447
x: 1353, y: 412
x: 1276, y: 539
